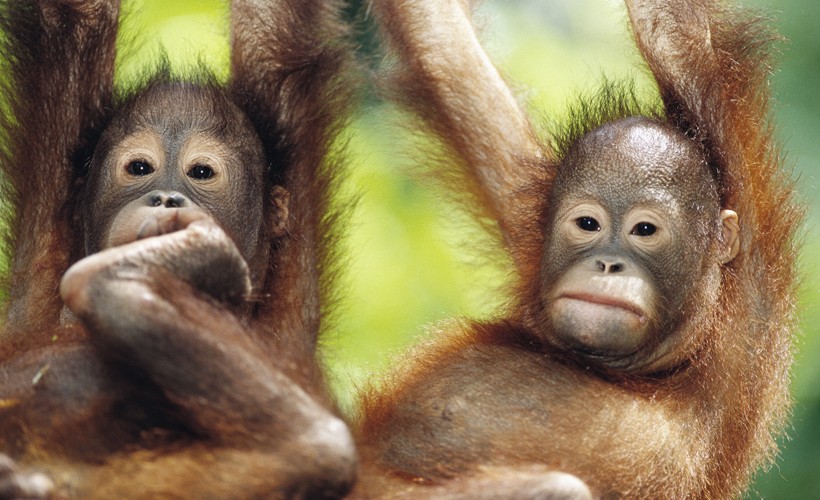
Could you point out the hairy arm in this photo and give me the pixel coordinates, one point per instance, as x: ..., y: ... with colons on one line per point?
x: 447, y: 78
x: 711, y: 63
x: 58, y: 58
x: 288, y: 59
x: 159, y: 308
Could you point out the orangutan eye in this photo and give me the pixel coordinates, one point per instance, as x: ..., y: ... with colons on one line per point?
x: 201, y: 172
x: 139, y: 168
x: 587, y: 224
x: 643, y: 229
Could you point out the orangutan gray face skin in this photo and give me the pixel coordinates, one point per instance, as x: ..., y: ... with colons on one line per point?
x: 634, y: 221
x: 151, y: 163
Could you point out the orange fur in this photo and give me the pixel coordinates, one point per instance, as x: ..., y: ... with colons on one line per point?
x: 77, y: 421
x: 488, y: 400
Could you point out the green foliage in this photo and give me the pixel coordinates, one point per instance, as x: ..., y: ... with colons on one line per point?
x: 189, y: 32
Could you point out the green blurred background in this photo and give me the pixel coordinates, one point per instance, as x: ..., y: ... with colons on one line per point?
x: 406, y: 266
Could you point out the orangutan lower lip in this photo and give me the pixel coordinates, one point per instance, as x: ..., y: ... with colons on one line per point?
x: 605, y: 301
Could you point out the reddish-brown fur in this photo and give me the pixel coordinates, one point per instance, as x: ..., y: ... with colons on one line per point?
x: 288, y: 61
x: 484, y: 406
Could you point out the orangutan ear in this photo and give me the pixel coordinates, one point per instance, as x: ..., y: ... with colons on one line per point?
x: 730, y: 236
x: 280, y: 200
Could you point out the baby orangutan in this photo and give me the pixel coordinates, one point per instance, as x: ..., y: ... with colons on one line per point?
x: 645, y: 351
x: 186, y: 225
